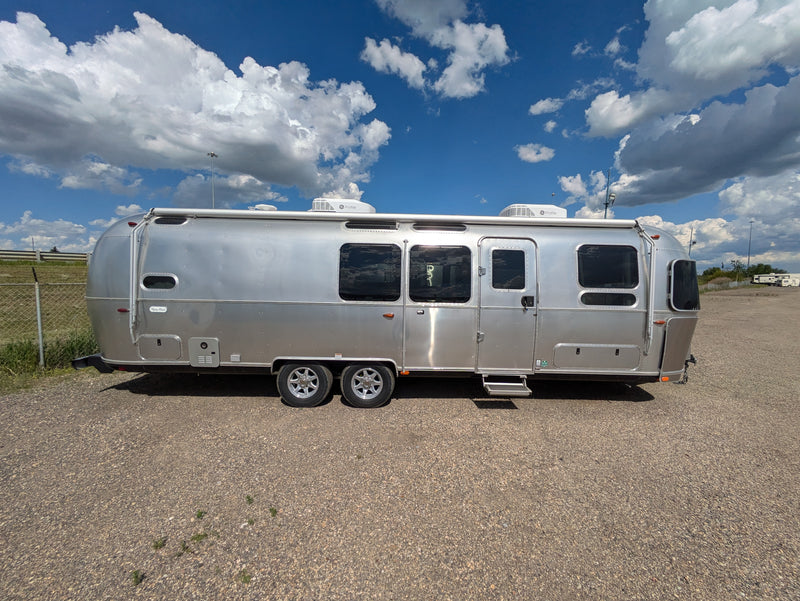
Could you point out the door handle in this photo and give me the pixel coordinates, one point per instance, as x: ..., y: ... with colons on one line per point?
x: 527, y: 301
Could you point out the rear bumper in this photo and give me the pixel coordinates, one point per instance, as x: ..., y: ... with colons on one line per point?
x: 95, y: 361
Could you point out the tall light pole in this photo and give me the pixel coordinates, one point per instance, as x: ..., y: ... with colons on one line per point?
x: 692, y: 241
x: 749, y: 240
x: 213, y: 156
x: 609, y: 197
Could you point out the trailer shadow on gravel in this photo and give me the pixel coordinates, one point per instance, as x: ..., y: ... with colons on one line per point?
x: 207, y: 385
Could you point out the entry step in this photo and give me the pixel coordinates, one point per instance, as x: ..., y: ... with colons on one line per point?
x: 506, y: 386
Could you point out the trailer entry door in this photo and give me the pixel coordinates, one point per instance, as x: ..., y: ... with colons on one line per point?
x: 508, y: 297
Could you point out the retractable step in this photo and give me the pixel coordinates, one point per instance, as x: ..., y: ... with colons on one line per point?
x: 506, y: 386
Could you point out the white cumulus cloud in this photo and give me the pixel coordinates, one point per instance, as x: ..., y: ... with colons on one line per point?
x: 546, y: 105
x: 152, y: 99
x: 694, y: 51
x: 388, y: 58
x: 470, y: 48
x: 31, y: 231
x: 534, y: 153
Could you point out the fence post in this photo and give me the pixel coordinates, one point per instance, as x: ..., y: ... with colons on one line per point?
x: 38, y: 317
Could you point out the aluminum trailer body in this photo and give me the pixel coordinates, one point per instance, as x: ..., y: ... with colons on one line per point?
x: 311, y: 296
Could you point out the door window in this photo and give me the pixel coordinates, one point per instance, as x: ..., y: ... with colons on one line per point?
x: 508, y: 269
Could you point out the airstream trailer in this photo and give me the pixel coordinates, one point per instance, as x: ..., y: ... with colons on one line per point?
x: 367, y: 297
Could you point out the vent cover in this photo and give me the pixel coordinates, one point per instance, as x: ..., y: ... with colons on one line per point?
x: 371, y: 225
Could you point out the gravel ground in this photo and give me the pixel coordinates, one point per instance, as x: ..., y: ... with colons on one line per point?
x: 585, y: 491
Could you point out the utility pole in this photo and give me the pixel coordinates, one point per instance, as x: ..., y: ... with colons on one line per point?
x: 749, y: 240
x: 213, y: 156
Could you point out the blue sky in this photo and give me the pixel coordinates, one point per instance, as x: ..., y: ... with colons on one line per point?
x: 409, y: 105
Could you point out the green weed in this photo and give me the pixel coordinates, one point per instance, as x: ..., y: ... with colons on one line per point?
x: 158, y: 543
x: 196, y: 538
x: 137, y: 577
x: 244, y: 577
x: 185, y: 548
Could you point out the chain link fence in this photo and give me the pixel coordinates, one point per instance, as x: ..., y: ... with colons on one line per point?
x: 44, y: 324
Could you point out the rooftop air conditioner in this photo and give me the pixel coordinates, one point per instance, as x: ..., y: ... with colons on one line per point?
x: 341, y: 205
x: 525, y: 210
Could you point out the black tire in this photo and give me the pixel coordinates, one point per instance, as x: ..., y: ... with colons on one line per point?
x: 367, y: 386
x: 304, y: 384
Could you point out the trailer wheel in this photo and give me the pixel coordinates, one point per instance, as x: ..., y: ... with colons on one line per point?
x: 367, y: 386
x: 304, y: 384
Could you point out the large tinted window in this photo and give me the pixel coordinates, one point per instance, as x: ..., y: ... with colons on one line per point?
x: 369, y: 272
x: 607, y: 266
x: 440, y: 274
x: 684, y: 295
x: 508, y: 269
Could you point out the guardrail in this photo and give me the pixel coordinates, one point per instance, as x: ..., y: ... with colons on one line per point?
x: 40, y: 256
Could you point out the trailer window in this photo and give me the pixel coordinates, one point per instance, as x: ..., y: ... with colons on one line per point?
x: 159, y: 282
x: 684, y: 295
x: 440, y: 274
x: 508, y: 269
x: 369, y: 272
x: 607, y: 266
x: 616, y: 299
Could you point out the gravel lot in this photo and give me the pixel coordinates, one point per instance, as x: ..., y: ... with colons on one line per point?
x: 585, y: 491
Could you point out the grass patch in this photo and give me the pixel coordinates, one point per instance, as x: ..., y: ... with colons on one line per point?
x: 273, y: 512
x: 137, y: 577
x: 244, y: 577
x: 249, y: 499
x: 158, y: 543
x: 19, y: 359
x: 20, y: 356
x: 200, y: 514
x: 200, y: 536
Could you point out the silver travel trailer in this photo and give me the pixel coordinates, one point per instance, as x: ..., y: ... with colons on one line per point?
x: 367, y: 297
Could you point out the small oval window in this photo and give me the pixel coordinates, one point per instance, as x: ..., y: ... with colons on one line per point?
x: 159, y: 282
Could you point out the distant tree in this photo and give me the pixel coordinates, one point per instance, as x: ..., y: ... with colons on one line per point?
x: 54, y: 250
x: 711, y: 273
x: 763, y: 268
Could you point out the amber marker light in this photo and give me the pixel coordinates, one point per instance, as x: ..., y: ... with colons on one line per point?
x: 665, y: 378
